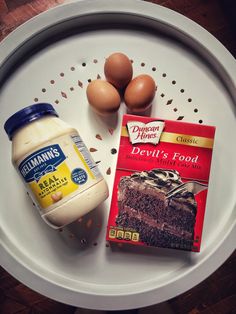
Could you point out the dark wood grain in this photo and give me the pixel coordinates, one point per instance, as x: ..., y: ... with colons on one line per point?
x: 216, y: 294
x: 3, y: 7
x: 216, y: 16
x: 19, y: 11
x: 17, y: 298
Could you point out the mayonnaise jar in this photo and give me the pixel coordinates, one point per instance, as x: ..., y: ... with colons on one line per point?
x: 55, y: 165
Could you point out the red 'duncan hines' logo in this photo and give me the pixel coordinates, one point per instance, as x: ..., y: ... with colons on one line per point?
x: 140, y: 132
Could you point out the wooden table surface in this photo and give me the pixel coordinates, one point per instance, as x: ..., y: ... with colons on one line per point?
x: 216, y: 294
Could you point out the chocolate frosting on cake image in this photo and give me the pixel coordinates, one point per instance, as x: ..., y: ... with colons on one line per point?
x: 144, y: 207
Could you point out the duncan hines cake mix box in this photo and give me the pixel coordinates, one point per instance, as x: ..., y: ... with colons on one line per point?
x: 161, y: 182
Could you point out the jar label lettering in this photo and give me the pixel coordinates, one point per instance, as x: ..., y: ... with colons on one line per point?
x: 58, y: 170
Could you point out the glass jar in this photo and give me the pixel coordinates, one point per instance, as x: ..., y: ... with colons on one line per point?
x: 55, y: 165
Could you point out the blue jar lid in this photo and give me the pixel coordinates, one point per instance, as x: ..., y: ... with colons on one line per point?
x: 27, y: 115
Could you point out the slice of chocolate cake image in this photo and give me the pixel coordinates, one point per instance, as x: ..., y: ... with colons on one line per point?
x: 161, y: 218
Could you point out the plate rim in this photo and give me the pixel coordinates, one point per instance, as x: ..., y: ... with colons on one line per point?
x: 217, y: 256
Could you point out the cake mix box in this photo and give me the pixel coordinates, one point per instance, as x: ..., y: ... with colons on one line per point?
x: 161, y: 183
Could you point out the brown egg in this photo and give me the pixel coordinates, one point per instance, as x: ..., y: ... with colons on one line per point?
x: 103, y: 97
x: 118, y: 70
x: 140, y: 93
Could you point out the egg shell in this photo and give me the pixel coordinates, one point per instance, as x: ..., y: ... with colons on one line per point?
x: 118, y: 70
x: 103, y: 97
x: 140, y: 93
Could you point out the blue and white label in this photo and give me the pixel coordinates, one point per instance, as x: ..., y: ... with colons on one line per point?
x: 79, y: 176
x: 41, y: 162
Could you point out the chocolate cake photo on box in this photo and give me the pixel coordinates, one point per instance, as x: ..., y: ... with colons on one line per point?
x: 159, y: 207
x: 161, y: 183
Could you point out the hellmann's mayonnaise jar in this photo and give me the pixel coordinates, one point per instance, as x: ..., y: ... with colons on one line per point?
x: 55, y: 165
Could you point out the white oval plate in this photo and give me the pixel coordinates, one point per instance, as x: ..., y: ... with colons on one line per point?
x: 195, y: 75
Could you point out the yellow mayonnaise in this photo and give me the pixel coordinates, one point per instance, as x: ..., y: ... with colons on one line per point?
x: 55, y: 165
